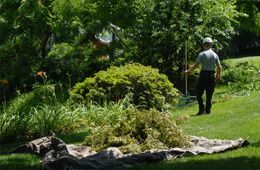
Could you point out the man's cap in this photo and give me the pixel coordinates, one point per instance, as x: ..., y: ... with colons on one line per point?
x: 207, y: 40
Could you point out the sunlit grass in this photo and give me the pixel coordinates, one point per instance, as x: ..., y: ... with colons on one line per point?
x: 238, y: 117
x: 232, y: 117
x: 251, y: 60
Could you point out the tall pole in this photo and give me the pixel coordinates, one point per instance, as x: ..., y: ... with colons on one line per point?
x: 186, y: 67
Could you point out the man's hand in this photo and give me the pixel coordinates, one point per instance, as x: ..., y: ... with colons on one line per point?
x: 189, y: 71
x: 219, y: 70
x: 186, y: 72
x: 218, y: 79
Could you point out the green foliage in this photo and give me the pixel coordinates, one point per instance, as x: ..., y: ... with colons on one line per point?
x: 121, y: 12
x: 162, y: 27
x: 250, y: 21
x: 146, y: 86
x: 36, y: 114
x: 65, y: 63
x: 30, y: 28
x: 133, y: 131
x: 16, y: 117
x: 42, y: 94
x: 241, y: 77
x: 24, y: 35
x: 70, y: 20
x: 35, y: 33
x: 57, y: 119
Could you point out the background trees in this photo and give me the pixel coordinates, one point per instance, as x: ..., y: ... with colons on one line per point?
x: 250, y: 23
x: 56, y: 36
x: 163, y: 27
x: 247, y: 41
x: 25, y: 28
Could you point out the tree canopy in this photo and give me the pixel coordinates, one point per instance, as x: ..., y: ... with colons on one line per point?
x: 251, y: 21
x: 56, y: 36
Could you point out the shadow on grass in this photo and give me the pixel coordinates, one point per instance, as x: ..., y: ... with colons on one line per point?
x: 5, y: 148
x: 20, y: 162
x: 239, y: 163
x: 256, y: 144
x: 73, y: 138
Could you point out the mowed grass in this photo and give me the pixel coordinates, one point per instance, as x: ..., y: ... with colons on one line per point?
x: 251, y: 60
x: 238, y: 117
x: 232, y: 117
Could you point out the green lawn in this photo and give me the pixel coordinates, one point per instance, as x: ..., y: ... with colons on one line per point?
x: 251, y: 60
x: 235, y: 118
x: 232, y: 117
x: 239, y: 116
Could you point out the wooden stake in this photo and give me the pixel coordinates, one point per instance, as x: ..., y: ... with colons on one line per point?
x: 186, y: 67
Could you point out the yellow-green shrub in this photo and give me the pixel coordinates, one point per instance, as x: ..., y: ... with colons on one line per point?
x: 146, y: 86
x: 133, y: 131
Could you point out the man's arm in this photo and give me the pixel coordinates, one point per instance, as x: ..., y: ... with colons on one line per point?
x: 187, y: 72
x: 219, y: 70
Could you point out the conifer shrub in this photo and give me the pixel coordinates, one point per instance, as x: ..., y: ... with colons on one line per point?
x: 147, y: 87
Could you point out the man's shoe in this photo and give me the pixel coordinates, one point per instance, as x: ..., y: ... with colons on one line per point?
x: 207, y: 111
x: 200, y: 112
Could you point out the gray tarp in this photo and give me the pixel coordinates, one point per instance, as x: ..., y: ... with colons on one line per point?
x: 57, y: 155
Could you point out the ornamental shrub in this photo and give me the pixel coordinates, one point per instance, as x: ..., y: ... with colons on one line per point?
x: 146, y: 86
x: 135, y: 131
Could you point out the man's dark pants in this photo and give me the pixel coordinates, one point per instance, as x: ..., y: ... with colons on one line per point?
x: 206, y: 82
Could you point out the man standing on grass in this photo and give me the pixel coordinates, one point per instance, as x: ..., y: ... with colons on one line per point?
x: 208, y: 60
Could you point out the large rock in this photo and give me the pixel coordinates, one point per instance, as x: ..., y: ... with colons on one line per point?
x: 58, y: 156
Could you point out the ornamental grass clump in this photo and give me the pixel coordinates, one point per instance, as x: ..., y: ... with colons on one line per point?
x: 147, y: 87
x: 36, y: 114
x: 135, y: 131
